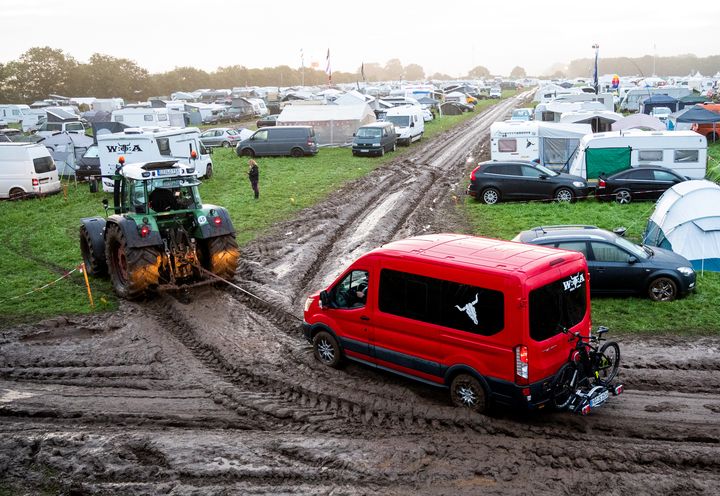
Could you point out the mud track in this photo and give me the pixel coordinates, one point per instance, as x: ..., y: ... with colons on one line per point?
x: 221, y: 395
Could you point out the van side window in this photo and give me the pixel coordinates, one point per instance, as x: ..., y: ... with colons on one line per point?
x: 446, y: 303
x: 43, y: 164
x: 686, y: 156
x: 260, y: 136
x: 556, y: 306
x: 351, y: 292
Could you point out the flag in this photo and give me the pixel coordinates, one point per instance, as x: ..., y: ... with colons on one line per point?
x: 328, y: 70
x: 362, y: 70
x: 302, y: 58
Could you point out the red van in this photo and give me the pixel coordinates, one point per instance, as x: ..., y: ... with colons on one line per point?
x: 482, y: 317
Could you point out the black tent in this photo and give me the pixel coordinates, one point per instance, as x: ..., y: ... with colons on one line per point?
x: 660, y: 101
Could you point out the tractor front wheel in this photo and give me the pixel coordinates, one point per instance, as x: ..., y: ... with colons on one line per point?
x: 222, y: 256
x: 133, y: 271
x: 94, y: 261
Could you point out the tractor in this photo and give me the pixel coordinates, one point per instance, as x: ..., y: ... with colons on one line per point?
x: 160, y: 237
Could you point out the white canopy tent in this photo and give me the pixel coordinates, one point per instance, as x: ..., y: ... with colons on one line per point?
x: 644, y: 122
x: 333, y: 124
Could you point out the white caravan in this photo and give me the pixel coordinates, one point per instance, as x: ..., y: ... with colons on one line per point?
x: 26, y: 169
x: 633, y: 98
x: 152, y: 145
x: 551, y: 143
x: 408, y: 122
x: 685, y: 152
x: 13, y: 114
x: 141, y: 117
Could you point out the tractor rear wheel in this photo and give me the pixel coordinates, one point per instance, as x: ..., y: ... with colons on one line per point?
x: 222, y: 256
x: 94, y: 262
x: 133, y: 271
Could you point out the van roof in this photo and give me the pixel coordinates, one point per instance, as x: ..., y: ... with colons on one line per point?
x: 472, y: 251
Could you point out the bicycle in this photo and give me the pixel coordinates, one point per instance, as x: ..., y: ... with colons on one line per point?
x: 585, y: 381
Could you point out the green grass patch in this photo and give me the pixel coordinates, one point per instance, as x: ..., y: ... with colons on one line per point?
x: 713, y: 167
x: 697, y: 313
x: 39, y: 237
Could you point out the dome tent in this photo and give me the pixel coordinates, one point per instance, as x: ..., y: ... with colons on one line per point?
x: 686, y: 220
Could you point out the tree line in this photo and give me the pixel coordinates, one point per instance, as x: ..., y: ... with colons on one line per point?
x: 680, y: 65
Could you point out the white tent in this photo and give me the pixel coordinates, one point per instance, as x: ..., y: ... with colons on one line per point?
x: 333, y: 124
x: 600, y: 120
x: 644, y: 122
x: 686, y: 220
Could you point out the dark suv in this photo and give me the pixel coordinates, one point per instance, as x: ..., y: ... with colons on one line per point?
x: 491, y: 182
x: 618, y: 266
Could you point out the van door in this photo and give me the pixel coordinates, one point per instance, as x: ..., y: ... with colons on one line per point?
x: 260, y: 142
x: 350, y: 312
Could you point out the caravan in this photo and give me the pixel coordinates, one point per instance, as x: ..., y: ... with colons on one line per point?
x: 634, y: 97
x: 152, y: 145
x: 408, y: 122
x: 685, y: 152
x: 142, y: 117
x: 552, y: 143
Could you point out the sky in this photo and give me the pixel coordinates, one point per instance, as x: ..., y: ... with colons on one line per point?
x: 449, y: 37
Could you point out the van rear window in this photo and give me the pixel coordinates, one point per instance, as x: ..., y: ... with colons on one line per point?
x: 445, y: 303
x: 43, y: 164
x: 557, y: 306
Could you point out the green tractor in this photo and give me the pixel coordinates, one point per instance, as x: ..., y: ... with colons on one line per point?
x: 160, y: 236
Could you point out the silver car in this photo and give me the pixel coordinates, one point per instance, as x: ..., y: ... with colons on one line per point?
x: 220, y: 136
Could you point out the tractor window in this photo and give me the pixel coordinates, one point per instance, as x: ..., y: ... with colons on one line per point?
x: 134, y: 196
x: 168, y: 194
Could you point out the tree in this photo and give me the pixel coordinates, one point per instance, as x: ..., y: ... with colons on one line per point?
x: 478, y: 72
x: 393, y: 69
x: 517, y: 72
x: 414, y: 72
x: 108, y: 76
x: 39, y: 72
x: 440, y: 76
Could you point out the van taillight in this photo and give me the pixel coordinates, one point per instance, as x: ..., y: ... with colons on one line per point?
x: 36, y: 182
x: 521, y: 364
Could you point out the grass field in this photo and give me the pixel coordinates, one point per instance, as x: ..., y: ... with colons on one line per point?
x: 39, y: 237
x: 698, y: 313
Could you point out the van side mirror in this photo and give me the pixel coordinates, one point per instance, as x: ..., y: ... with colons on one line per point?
x: 353, y: 135
x: 412, y: 124
x: 324, y: 299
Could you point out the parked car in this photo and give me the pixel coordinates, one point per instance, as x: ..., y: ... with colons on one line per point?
x: 268, y: 120
x: 618, y: 266
x: 27, y: 169
x: 492, y: 182
x: 296, y: 141
x: 522, y: 114
x: 641, y: 183
x: 661, y: 113
x: 496, y: 92
x: 89, y: 164
x: 220, y: 136
x: 374, y: 139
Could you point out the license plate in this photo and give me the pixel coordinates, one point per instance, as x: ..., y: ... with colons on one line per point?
x: 599, y: 399
x: 364, y: 151
x: 167, y: 172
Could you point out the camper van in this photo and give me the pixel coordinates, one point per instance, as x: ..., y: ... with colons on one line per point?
x: 142, y: 117
x: 552, y: 143
x: 408, y: 122
x: 26, y: 169
x: 451, y: 310
x: 634, y: 97
x: 152, y: 145
x: 685, y: 152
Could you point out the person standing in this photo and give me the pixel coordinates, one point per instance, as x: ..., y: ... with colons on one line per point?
x: 254, y: 176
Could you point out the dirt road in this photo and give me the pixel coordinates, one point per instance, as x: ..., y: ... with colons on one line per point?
x: 221, y: 395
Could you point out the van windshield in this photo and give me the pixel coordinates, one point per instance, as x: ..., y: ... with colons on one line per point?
x: 369, y: 132
x: 399, y: 120
x: 559, y: 305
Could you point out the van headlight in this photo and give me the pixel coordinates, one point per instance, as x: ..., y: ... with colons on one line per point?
x: 686, y: 271
x: 376, y: 144
x: 308, y: 302
x: 578, y: 184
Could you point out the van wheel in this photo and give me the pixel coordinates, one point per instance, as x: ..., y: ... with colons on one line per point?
x: 623, y: 196
x: 208, y: 172
x: 297, y: 152
x: 490, y: 196
x: 382, y: 151
x: 662, y: 289
x: 327, y: 350
x: 467, y: 392
x: 16, y: 194
x: 394, y: 147
x: 248, y: 152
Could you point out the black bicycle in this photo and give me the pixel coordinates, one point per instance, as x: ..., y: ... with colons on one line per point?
x: 585, y: 381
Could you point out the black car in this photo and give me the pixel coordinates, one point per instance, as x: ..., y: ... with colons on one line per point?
x: 618, y: 266
x: 89, y: 165
x: 491, y: 182
x: 268, y: 120
x: 642, y: 183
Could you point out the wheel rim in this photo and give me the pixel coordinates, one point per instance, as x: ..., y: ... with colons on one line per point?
x: 662, y: 290
x: 609, y: 357
x: 563, y: 195
x: 490, y: 196
x: 623, y: 197
x: 121, y: 265
x: 226, y: 144
x: 326, y: 351
x: 467, y: 395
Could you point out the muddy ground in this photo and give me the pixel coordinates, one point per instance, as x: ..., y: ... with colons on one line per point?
x: 221, y: 394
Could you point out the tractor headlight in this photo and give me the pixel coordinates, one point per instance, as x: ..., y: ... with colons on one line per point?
x: 686, y: 271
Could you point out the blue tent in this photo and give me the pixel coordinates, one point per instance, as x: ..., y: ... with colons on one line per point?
x: 699, y: 115
x: 660, y: 101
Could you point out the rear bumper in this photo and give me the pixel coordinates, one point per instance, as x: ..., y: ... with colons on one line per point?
x: 513, y: 395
